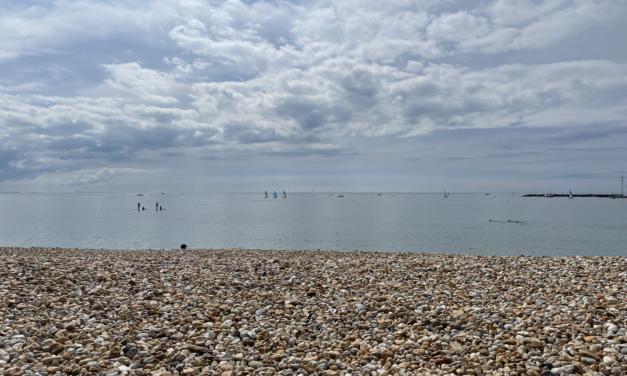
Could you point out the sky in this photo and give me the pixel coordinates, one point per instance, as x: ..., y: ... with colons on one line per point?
x: 342, y: 95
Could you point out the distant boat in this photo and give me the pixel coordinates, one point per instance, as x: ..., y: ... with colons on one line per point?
x: 340, y: 196
x: 284, y: 195
x: 275, y: 196
x: 571, y: 195
x: 312, y: 193
x: 266, y: 196
x: 487, y: 194
x: 445, y: 193
x: 162, y: 193
x: 330, y: 195
x: 140, y: 194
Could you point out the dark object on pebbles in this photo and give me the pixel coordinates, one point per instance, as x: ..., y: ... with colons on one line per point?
x: 183, y: 246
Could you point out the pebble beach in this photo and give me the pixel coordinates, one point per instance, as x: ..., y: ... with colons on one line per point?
x: 232, y: 312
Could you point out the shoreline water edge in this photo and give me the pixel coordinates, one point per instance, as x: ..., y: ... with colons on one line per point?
x: 232, y: 312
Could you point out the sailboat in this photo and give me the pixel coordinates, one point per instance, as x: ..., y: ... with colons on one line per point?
x: 275, y: 196
x: 571, y: 195
x: 266, y: 196
x: 445, y: 193
x: 284, y: 195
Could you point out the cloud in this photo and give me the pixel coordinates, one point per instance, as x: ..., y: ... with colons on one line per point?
x: 210, y: 158
x: 504, y: 25
x: 598, y: 132
x: 84, y: 177
x: 285, y: 79
x: 147, y: 85
x: 512, y: 155
x: 340, y: 97
x: 600, y: 175
x: 50, y: 27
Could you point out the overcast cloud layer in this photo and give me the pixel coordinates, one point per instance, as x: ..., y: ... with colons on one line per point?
x: 360, y: 95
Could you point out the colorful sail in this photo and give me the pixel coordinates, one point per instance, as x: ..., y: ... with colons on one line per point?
x: 275, y: 196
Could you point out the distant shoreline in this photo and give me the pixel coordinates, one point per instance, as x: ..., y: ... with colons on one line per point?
x: 578, y: 195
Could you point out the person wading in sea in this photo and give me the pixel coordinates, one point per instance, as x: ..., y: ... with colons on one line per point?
x: 157, y: 206
x: 138, y: 206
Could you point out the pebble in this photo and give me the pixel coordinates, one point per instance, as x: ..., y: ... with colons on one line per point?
x: 233, y: 312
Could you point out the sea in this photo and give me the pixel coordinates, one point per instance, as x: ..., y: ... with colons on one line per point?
x: 496, y: 224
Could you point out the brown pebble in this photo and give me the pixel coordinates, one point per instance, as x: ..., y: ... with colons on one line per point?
x: 234, y: 312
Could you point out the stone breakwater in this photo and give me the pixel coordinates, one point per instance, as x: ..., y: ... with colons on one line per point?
x: 267, y: 313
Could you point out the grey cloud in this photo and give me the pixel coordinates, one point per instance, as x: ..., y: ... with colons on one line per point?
x: 245, y: 135
x: 308, y: 115
x: 598, y: 132
x: 83, y: 177
x: 619, y: 148
x: 150, y: 160
x: 311, y: 152
x: 71, y: 143
x: 281, y: 79
x: 602, y: 175
x: 67, y: 129
x: 512, y: 155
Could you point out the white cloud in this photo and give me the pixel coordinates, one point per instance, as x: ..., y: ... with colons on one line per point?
x: 83, y: 177
x: 505, y: 25
x: 258, y: 55
x: 37, y: 29
x: 278, y: 76
x: 146, y: 84
x: 345, y: 97
x: 340, y: 97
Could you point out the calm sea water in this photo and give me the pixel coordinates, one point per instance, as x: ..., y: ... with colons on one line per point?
x: 358, y: 221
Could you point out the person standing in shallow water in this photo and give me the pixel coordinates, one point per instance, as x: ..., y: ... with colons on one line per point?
x: 157, y: 206
x: 138, y: 206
